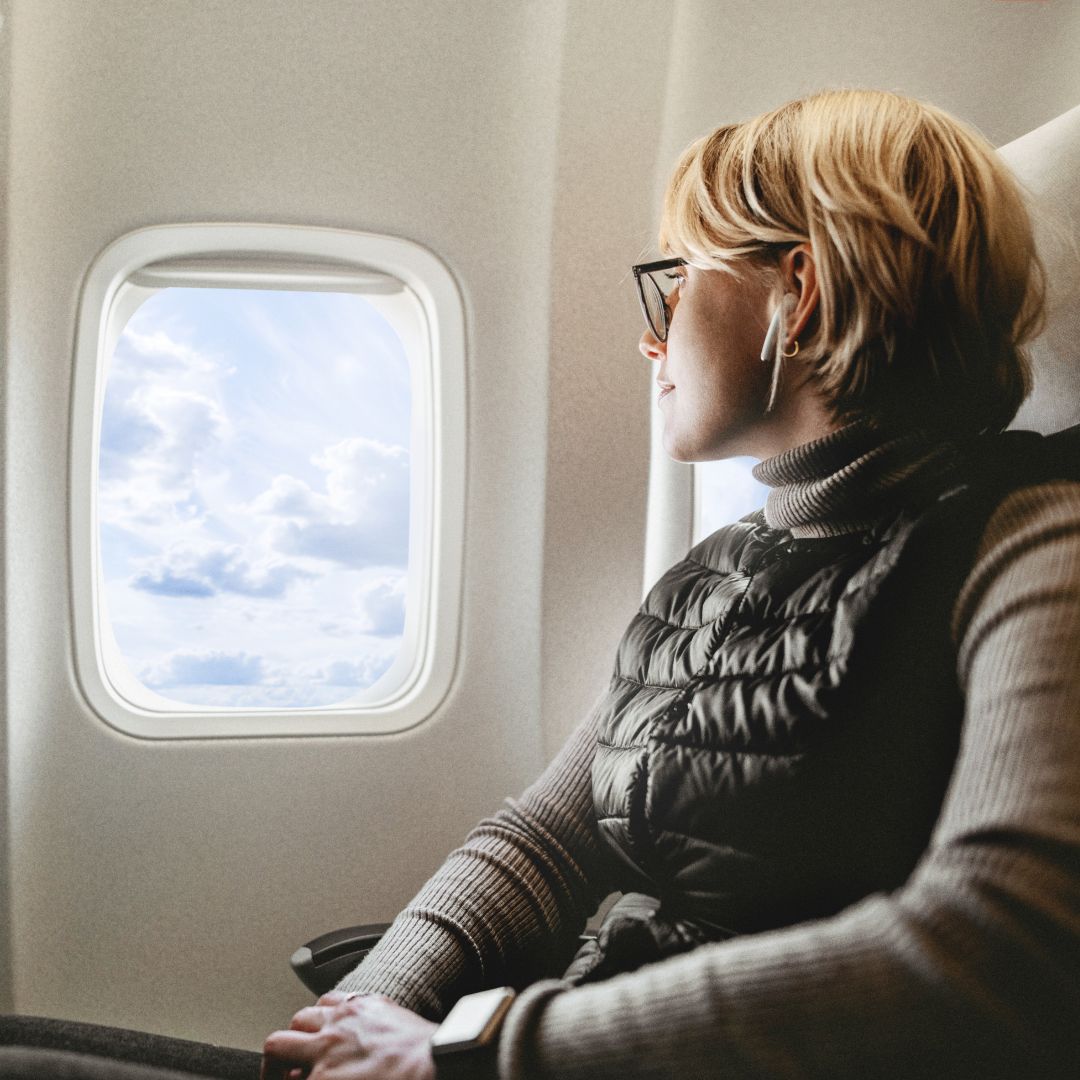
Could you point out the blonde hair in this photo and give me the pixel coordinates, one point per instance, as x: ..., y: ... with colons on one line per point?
x: 928, y: 275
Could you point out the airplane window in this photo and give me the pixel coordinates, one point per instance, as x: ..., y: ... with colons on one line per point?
x: 253, y: 497
x: 268, y: 448
x: 724, y: 491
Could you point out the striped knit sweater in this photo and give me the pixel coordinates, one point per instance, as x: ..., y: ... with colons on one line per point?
x: 976, y: 956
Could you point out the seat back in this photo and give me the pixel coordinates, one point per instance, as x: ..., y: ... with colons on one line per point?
x: 1047, y: 163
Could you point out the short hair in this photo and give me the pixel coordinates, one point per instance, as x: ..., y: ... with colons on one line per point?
x: 925, y: 252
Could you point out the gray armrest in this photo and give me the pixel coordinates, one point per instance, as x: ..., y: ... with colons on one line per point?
x: 325, y: 960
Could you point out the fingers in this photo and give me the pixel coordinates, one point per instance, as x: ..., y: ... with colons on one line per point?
x: 292, y: 1047
x: 289, y: 1055
x: 300, y: 1044
x: 331, y: 1006
x: 313, y: 1018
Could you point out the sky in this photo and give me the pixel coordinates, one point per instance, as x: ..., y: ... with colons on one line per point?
x: 253, y: 496
x: 726, y: 492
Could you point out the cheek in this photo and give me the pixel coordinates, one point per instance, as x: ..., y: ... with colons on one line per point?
x: 715, y: 357
x: 692, y: 353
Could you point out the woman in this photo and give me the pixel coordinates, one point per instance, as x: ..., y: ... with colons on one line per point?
x: 835, y: 769
x: 834, y: 774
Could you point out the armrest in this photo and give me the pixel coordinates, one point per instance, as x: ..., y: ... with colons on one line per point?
x: 325, y: 960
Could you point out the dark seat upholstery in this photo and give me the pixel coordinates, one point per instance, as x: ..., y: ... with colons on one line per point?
x: 31, y: 1046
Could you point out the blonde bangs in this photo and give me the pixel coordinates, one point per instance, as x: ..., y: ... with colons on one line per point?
x: 705, y: 218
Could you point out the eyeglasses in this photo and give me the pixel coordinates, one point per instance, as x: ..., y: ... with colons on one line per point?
x: 654, y: 288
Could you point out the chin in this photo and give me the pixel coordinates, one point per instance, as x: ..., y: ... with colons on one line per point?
x: 677, y: 452
x: 715, y: 452
x: 716, y: 442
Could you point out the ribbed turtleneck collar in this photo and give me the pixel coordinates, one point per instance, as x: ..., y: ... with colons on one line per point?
x: 847, y: 480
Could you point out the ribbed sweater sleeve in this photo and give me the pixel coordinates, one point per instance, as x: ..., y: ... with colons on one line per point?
x: 972, y: 968
x: 506, y: 907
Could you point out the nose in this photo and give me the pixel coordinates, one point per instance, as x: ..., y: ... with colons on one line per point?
x: 650, y: 348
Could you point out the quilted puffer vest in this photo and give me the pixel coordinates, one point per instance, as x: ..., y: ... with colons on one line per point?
x: 784, y: 716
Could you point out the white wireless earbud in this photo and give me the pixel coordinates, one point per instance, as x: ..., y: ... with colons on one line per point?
x: 769, y: 348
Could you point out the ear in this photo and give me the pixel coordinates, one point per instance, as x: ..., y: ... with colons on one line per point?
x: 798, y: 270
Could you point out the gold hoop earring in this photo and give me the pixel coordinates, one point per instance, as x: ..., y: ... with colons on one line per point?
x: 789, y: 355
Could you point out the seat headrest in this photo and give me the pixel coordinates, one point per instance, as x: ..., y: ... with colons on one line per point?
x: 1047, y: 163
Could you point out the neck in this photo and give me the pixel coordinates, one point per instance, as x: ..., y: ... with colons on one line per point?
x: 798, y: 418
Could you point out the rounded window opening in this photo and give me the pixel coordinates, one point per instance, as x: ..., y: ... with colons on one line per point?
x: 253, y: 499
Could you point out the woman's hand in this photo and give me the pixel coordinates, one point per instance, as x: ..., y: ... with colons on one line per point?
x: 351, y: 1038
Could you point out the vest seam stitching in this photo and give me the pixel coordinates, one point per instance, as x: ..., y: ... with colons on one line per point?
x: 717, y: 676
x: 669, y: 741
x: 682, y: 626
x: 651, y: 686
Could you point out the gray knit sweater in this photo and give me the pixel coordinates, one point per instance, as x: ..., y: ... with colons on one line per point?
x: 983, y: 940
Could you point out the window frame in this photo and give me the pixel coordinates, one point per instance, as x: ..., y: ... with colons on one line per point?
x: 245, y: 255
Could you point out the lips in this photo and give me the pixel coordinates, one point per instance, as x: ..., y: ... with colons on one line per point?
x: 665, y: 389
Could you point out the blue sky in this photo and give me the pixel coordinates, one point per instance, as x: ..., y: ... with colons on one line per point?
x: 253, y: 496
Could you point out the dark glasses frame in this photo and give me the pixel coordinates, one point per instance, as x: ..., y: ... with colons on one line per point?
x: 642, y: 275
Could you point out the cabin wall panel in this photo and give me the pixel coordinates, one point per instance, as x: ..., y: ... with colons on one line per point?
x: 144, y: 872
x: 613, y: 94
x: 1006, y: 66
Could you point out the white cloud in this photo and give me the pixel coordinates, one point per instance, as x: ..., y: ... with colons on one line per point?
x: 236, y: 679
x: 152, y: 444
x: 189, y: 420
x: 383, y: 603
x: 126, y: 429
x: 363, y: 517
x: 148, y: 508
x: 288, y: 497
x: 214, y: 569
x: 363, y: 471
x: 162, y: 350
x: 356, y: 545
x: 207, y: 669
x: 359, y: 673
